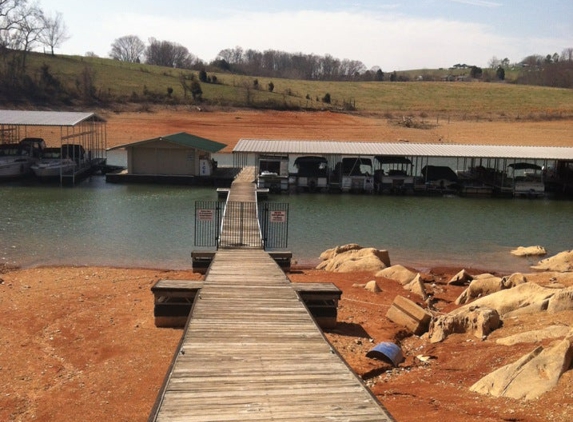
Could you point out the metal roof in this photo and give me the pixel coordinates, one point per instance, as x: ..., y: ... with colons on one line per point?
x: 309, y: 147
x: 45, y: 118
x: 183, y: 139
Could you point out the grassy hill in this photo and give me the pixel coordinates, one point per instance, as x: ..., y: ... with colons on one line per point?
x: 111, y: 83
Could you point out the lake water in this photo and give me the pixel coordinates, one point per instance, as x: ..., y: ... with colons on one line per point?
x: 96, y: 223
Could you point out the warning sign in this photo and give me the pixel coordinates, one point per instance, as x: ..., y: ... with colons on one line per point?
x: 205, y: 215
x: 278, y: 216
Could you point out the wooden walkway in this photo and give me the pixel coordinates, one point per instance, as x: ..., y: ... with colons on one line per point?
x: 252, y: 352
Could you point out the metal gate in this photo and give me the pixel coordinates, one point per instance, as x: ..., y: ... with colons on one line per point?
x: 217, y: 227
x: 273, y: 219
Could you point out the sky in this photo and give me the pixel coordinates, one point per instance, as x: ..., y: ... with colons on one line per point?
x: 392, y: 34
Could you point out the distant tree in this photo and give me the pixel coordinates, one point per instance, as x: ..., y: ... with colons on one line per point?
x: 500, y: 73
x: 379, y: 76
x: 505, y: 62
x: 476, y: 72
x: 494, y: 63
x: 196, y: 90
x: 26, y: 29
x: 90, y: 54
x: 326, y: 98
x: 271, y: 86
x: 567, y: 54
x: 128, y: 48
x: 54, y: 32
x: 203, y: 75
x: 169, y: 54
x: 393, y: 77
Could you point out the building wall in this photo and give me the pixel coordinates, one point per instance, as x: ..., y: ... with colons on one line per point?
x: 162, y: 158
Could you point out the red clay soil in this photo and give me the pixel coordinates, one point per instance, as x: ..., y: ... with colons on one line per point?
x: 80, y: 344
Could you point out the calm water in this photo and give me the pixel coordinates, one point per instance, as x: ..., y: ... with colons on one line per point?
x: 96, y: 223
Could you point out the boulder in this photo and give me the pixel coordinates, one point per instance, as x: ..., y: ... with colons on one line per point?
x: 531, y: 376
x: 477, y: 321
x: 354, y: 259
x: 461, y: 279
x: 509, y: 300
x: 480, y: 287
x: 331, y: 253
x: 372, y: 286
x: 561, y: 301
x: 408, y: 314
x: 529, y: 251
x: 417, y: 286
x: 562, y: 262
x: 399, y: 273
x: 535, y: 336
x: 486, y: 284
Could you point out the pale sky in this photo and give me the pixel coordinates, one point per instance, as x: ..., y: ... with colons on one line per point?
x: 392, y: 34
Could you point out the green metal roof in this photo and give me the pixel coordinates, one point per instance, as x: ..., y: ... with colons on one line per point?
x: 183, y: 139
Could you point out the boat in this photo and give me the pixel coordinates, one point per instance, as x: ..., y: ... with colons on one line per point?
x: 53, y: 164
x: 273, y: 174
x: 16, y: 159
x: 394, y: 175
x: 527, y: 180
x: 438, y: 180
x: 354, y: 174
x: 311, y: 175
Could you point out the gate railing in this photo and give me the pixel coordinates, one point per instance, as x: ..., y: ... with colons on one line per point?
x: 241, y: 225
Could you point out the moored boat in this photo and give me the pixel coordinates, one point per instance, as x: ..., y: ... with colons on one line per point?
x: 16, y: 159
x: 52, y: 164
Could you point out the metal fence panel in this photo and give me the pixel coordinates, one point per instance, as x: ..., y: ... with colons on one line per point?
x: 208, y: 216
x: 273, y: 219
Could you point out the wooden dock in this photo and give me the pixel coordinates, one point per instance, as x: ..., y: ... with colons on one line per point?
x: 252, y: 351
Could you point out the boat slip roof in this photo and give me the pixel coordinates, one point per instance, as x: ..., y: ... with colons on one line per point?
x: 308, y: 147
x: 45, y: 118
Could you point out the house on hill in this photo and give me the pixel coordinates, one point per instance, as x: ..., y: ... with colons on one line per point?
x: 180, y: 158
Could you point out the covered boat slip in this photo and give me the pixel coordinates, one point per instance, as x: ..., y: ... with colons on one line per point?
x: 252, y: 351
x: 81, y: 137
x: 406, y: 167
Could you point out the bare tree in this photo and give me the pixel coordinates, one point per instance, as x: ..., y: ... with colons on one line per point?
x: 26, y: 31
x: 129, y: 48
x: 166, y: 53
x: 567, y: 54
x: 54, y: 32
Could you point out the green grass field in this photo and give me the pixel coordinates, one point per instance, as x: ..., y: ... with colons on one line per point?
x: 122, y: 82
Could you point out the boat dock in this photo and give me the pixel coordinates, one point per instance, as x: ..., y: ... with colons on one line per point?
x: 251, y: 349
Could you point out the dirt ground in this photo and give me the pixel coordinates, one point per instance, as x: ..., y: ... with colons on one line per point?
x: 79, y: 343
x: 229, y: 127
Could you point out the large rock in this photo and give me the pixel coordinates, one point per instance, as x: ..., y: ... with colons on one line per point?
x: 535, y: 336
x: 529, y: 251
x: 353, y: 258
x: 478, y: 288
x: 417, y: 286
x: 561, y: 301
x: 487, y: 284
x: 531, y: 376
x: 460, y: 279
x: 399, y: 273
x: 408, y: 314
x: 506, y: 301
x: 477, y: 321
x: 562, y: 262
